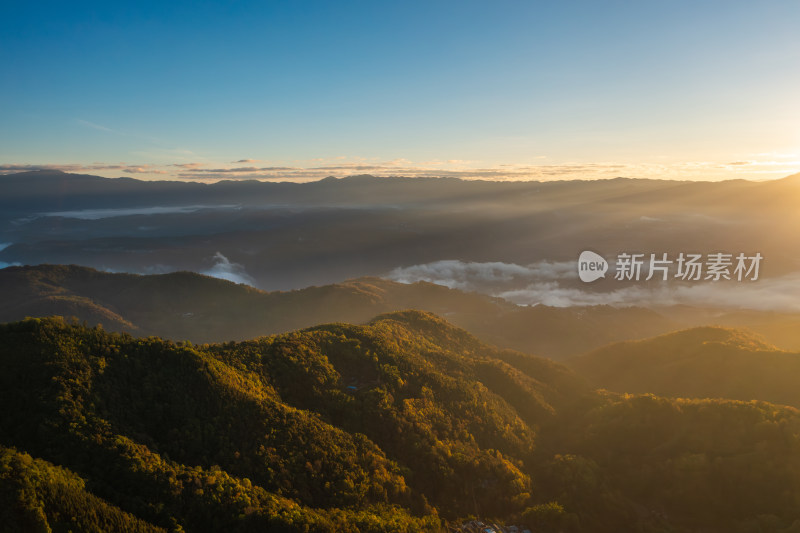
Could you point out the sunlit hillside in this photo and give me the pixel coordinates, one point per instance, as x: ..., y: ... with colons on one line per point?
x: 697, y: 363
x: 406, y: 423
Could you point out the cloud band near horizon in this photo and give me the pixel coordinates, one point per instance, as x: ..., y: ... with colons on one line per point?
x: 755, y: 168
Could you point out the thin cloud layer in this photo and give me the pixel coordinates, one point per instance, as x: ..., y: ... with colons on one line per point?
x: 97, y: 214
x: 94, y: 126
x: 146, y: 169
x: 244, y: 169
x: 482, y: 277
x: 553, y: 284
x: 781, y: 293
x: 451, y: 169
x: 76, y: 168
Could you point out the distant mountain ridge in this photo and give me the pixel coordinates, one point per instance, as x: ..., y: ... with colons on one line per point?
x: 292, y: 235
x: 185, y: 305
x: 190, y: 306
x: 52, y: 189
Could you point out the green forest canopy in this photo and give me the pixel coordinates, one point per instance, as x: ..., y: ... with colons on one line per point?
x: 402, y: 424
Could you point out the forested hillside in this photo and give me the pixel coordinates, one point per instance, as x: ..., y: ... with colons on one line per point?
x: 709, y: 362
x: 402, y: 424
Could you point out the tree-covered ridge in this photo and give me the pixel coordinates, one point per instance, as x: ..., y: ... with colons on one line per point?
x: 396, y: 425
x: 334, y: 417
x: 162, y: 427
x: 412, y: 384
x: 707, y: 362
x: 37, y: 496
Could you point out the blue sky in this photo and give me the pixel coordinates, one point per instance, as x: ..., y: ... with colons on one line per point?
x: 304, y: 89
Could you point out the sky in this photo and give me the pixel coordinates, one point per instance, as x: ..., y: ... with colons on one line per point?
x: 300, y: 90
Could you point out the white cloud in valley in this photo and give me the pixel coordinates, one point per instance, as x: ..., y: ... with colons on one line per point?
x: 225, y: 269
x: 779, y: 293
x: 554, y: 284
x: 482, y: 277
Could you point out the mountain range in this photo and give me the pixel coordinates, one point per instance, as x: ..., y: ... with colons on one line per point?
x: 402, y: 424
x: 189, y: 306
x: 288, y: 235
x: 328, y: 384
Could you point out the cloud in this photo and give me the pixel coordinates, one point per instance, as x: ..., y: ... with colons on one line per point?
x: 224, y: 269
x: 94, y: 126
x: 188, y: 166
x: 239, y: 170
x: 11, y: 168
x: 780, y: 293
x: 360, y: 168
x: 341, y: 166
x: 399, y: 167
x: 145, y: 169
x: 483, y: 277
x: 76, y: 168
x: 4, y: 245
x: 555, y: 284
x: 429, y: 169
x: 257, y: 176
x: 97, y: 214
